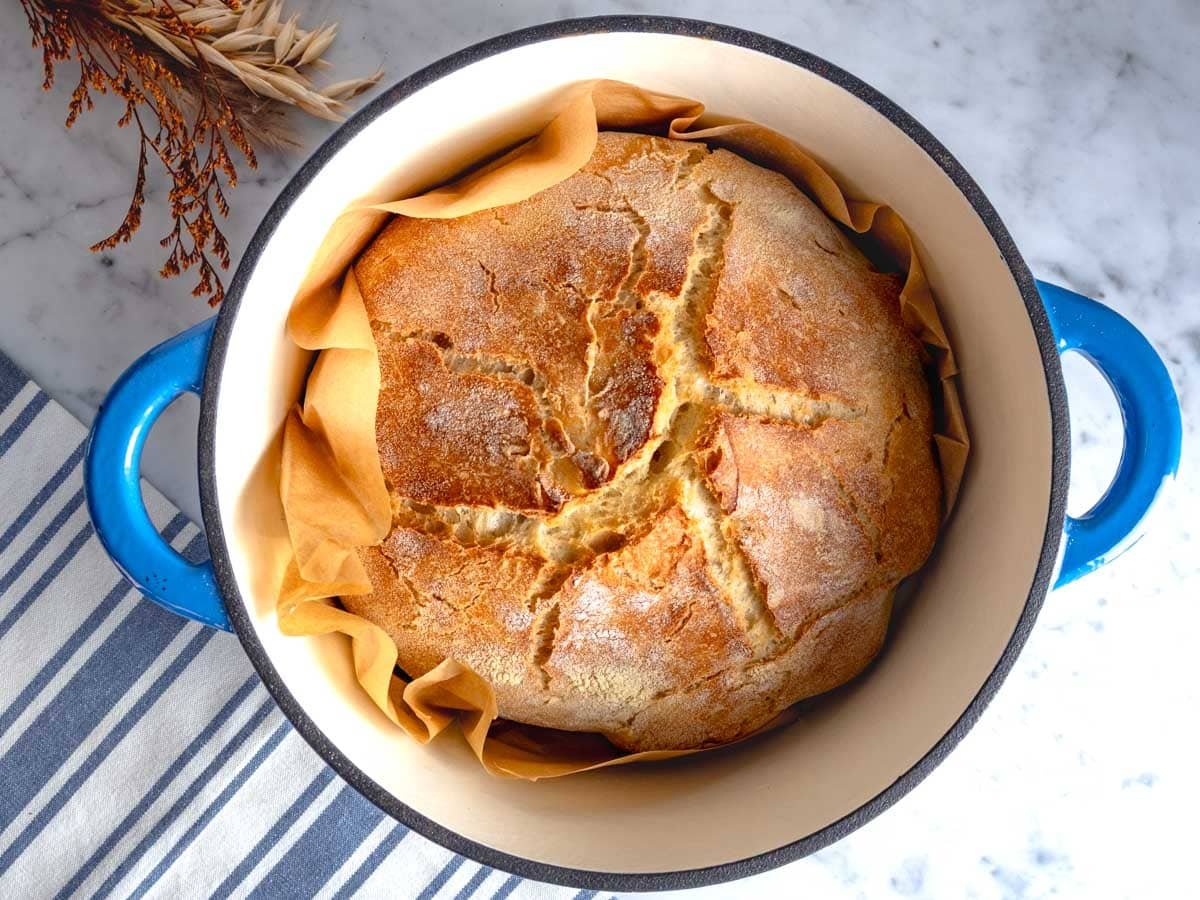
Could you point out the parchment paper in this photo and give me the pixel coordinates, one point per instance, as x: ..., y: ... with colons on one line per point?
x: 330, y: 482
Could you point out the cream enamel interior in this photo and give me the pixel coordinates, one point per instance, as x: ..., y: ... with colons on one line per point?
x: 727, y: 805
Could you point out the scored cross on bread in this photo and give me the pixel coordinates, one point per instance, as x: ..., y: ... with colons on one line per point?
x: 658, y: 445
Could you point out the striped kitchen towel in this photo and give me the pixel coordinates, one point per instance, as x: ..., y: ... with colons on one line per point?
x: 139, y: 753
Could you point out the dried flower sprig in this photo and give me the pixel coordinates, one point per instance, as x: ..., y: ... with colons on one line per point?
x: 197, y: 77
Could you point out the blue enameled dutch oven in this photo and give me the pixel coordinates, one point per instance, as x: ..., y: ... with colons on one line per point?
x: 730, y: 813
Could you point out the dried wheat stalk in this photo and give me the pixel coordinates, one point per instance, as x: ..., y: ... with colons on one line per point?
x: 196, y: 76
x: 251, y: 42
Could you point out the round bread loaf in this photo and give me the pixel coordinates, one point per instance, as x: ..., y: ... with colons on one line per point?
x: 658, y: 445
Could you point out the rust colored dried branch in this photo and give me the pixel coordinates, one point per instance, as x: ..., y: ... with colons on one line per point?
x: 196, y: 77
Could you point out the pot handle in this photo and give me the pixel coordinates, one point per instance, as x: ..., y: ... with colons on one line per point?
x: 1150, y: 417
x: 111, y: 478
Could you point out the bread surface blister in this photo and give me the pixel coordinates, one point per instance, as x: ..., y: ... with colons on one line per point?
x: 658, y: 446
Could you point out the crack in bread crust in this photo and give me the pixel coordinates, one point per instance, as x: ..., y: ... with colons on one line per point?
x: 545, y: 628
x: 752, y: 400
x: 728, y: 567
x: 626, y: 296
x: 492, y: 365
x: 683, y: 170
x: 781, y: 647
x: 469, y: 526
x: 603, y: 317
x: 887, y: 441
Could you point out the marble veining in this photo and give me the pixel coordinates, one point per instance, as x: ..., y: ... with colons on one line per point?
x: 1080, y: 120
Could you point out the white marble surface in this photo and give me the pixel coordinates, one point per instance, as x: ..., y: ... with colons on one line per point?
x: 1081, y: 121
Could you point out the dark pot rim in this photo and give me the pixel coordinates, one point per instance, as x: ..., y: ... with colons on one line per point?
x: 327, y: 749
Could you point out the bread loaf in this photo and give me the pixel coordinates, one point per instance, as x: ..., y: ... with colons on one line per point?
x: 658, y: 445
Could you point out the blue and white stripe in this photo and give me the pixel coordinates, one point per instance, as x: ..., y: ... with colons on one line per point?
x: 139, y: 754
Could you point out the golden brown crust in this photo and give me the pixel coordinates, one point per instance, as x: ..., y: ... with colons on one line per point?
x: 658, y: 443
x: 447, y: 437
x: 602, y: 668
x: 794, y: 522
